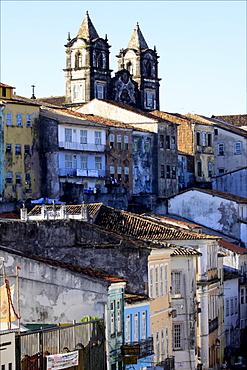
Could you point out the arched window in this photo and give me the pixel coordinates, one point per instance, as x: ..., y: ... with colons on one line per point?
x: 129, y: 67
x: 78, y: 60
x: 149, y: 69
x: 99, y: 60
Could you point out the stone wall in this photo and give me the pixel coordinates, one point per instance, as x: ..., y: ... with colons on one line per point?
x: 81, y: 243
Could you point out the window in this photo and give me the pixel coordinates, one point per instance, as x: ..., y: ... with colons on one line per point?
x: 111, y: 141
x: 68, y: 134
x: 126, y: 143
x: 221, y: 171
x: 18, y: 149
x: 8, y: 118
x: 78, y: 60
x: 4, y: 91
x: 209, y: 139
x: 174, y: 172
x: 173, y: 141
x: 8, y: 148
x: 77, y: 92
x: 26, y: 149
x: 198, y: 138
x: 136, y: 323
x: 97, y: 137
x: 126, y: 174
x: 147, y: 146
x: 242, y: 295
x: 68, y: 160
x: 199, y: 168
x: 227, y: 307
x: 232, y: 306
x: 28, y: 120
x: 204, y: 138
x: 176, y: 282
x: 119, y: 173
x: 161, y: 141
x: 215, y: 131
x: 150, y: 99
x: 83, y: 136
x: 112, y: 314
x: 238, y: 147
x: 144, y: 324
x: 167, y: 142
x: 119, y: 328
x: 18, y: 119
x: 166, y: 279
x: 100, y: 91
x: 128, y: 328
x: 9, y: 177
x: 151, y: 282
x: 221, y: 149
x: 135, y: 145
x: 177, y: 336
x: 168, y: 171
x: 161, y: 280
x: 18, y: 178
x: 112, y: 170
x: 28, y: 177
x: 119, y: 141
x: 157, y: 346
x: 236, y: 304
x: 210, y: 169
x: 98, y: 163
x: 83, y: 162
x: 162, y: 171
x: 156, y: 281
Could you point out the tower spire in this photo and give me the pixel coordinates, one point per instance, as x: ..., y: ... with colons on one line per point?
x: 137, y: 40
x: 87, y: 30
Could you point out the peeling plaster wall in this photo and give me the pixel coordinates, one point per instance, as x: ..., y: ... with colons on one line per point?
x: 80, y: 243
x: 210, y: 211
x: 233, y: 183
x: 50, y: 294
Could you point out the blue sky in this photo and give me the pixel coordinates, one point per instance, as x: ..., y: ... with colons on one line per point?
x: 201, y: 44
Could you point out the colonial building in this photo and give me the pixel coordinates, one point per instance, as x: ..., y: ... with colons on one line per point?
x: 88, y: 73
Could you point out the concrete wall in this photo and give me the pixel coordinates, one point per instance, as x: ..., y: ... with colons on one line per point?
x: 207, y: 210
x: 51, y: 294
x: 81, y: 243
x: 233, y: 182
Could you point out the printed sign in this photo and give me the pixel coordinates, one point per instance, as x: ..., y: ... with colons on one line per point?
x: 5, y: 307
x: 62, y: 360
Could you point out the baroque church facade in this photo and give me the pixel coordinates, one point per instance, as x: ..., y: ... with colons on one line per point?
x: 88, y: 73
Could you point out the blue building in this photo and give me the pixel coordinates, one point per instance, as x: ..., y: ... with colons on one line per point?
x: 138, y: 348
x: 1, y: 150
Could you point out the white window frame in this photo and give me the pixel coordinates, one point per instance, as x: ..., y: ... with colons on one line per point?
x: 166, y: 279
x: 156, y: 281
x: 112, y: 317
x: 84, y: 162
x: 162, y: 280
x: 176, y: 283
x: 119, y: 326
x: 68, y: 161
x: 98, y: 162
x: 8, y: 119
x: 28, y: 120
x: 97, y: 137
x: 68, y: 135
x: 221, y: 148
x: 18, y: 119
x: 204, y: 138
x: 83, y: 136
x: 177, y: 336
x: 78, y: 92
x: 136, y: 326
x: 238, y: 147
x: 151, y: 281
x: 128, y: 329
x: 100, y: 91
x: 144, y: 324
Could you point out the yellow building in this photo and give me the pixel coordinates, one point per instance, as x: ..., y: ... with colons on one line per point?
x: 21, y: 156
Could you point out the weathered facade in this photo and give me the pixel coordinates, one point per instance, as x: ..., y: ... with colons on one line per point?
x: 233, y: 182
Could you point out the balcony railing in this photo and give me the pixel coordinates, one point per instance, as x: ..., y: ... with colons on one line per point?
x: 73, y: 172
x: 213, y: 325
x: 71, y: 145
x: 146, y: 347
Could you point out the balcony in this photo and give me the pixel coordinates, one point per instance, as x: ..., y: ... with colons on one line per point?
x: 89, y: 147
x: 73, y: 172
x: 145, y: 348
x: 213, y: 325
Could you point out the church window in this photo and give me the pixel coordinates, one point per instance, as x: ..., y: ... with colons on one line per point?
x: 77, y: 92
x: 78, y: 60
x: 150, y: 99
x: 99, y: 60
x: 100, y: 91
x: 129, y: 67
x: 149, y: 69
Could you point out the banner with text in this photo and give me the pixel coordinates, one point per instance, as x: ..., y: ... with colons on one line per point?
x: 62, y: 360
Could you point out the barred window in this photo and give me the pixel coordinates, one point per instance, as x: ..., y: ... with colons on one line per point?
x: 177, y: 336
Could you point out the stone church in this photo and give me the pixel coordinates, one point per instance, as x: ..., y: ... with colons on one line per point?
x: 88, y: 73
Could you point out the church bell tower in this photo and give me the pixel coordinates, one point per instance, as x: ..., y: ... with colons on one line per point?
x: 87, y: 72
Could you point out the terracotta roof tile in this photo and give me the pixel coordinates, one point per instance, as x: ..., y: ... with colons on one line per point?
x: 217, y: 193
x: 233, y: 247
x: 70, y: 209
x: 4, y: 85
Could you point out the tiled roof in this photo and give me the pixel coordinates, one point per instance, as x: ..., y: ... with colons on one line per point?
x: 216, y: 193
x: 234, y: 119
x: 20, y: 101
x: 4, y: 85
x: 233, y: 247
x: 220, y: 124
x: 56, y: 101
x: 171, y: 221
x: 78, y: 269
x: 133, y: 298
x: 142, y: 228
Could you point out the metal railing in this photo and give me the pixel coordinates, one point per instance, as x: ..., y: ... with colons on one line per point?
x: 70, y: 145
